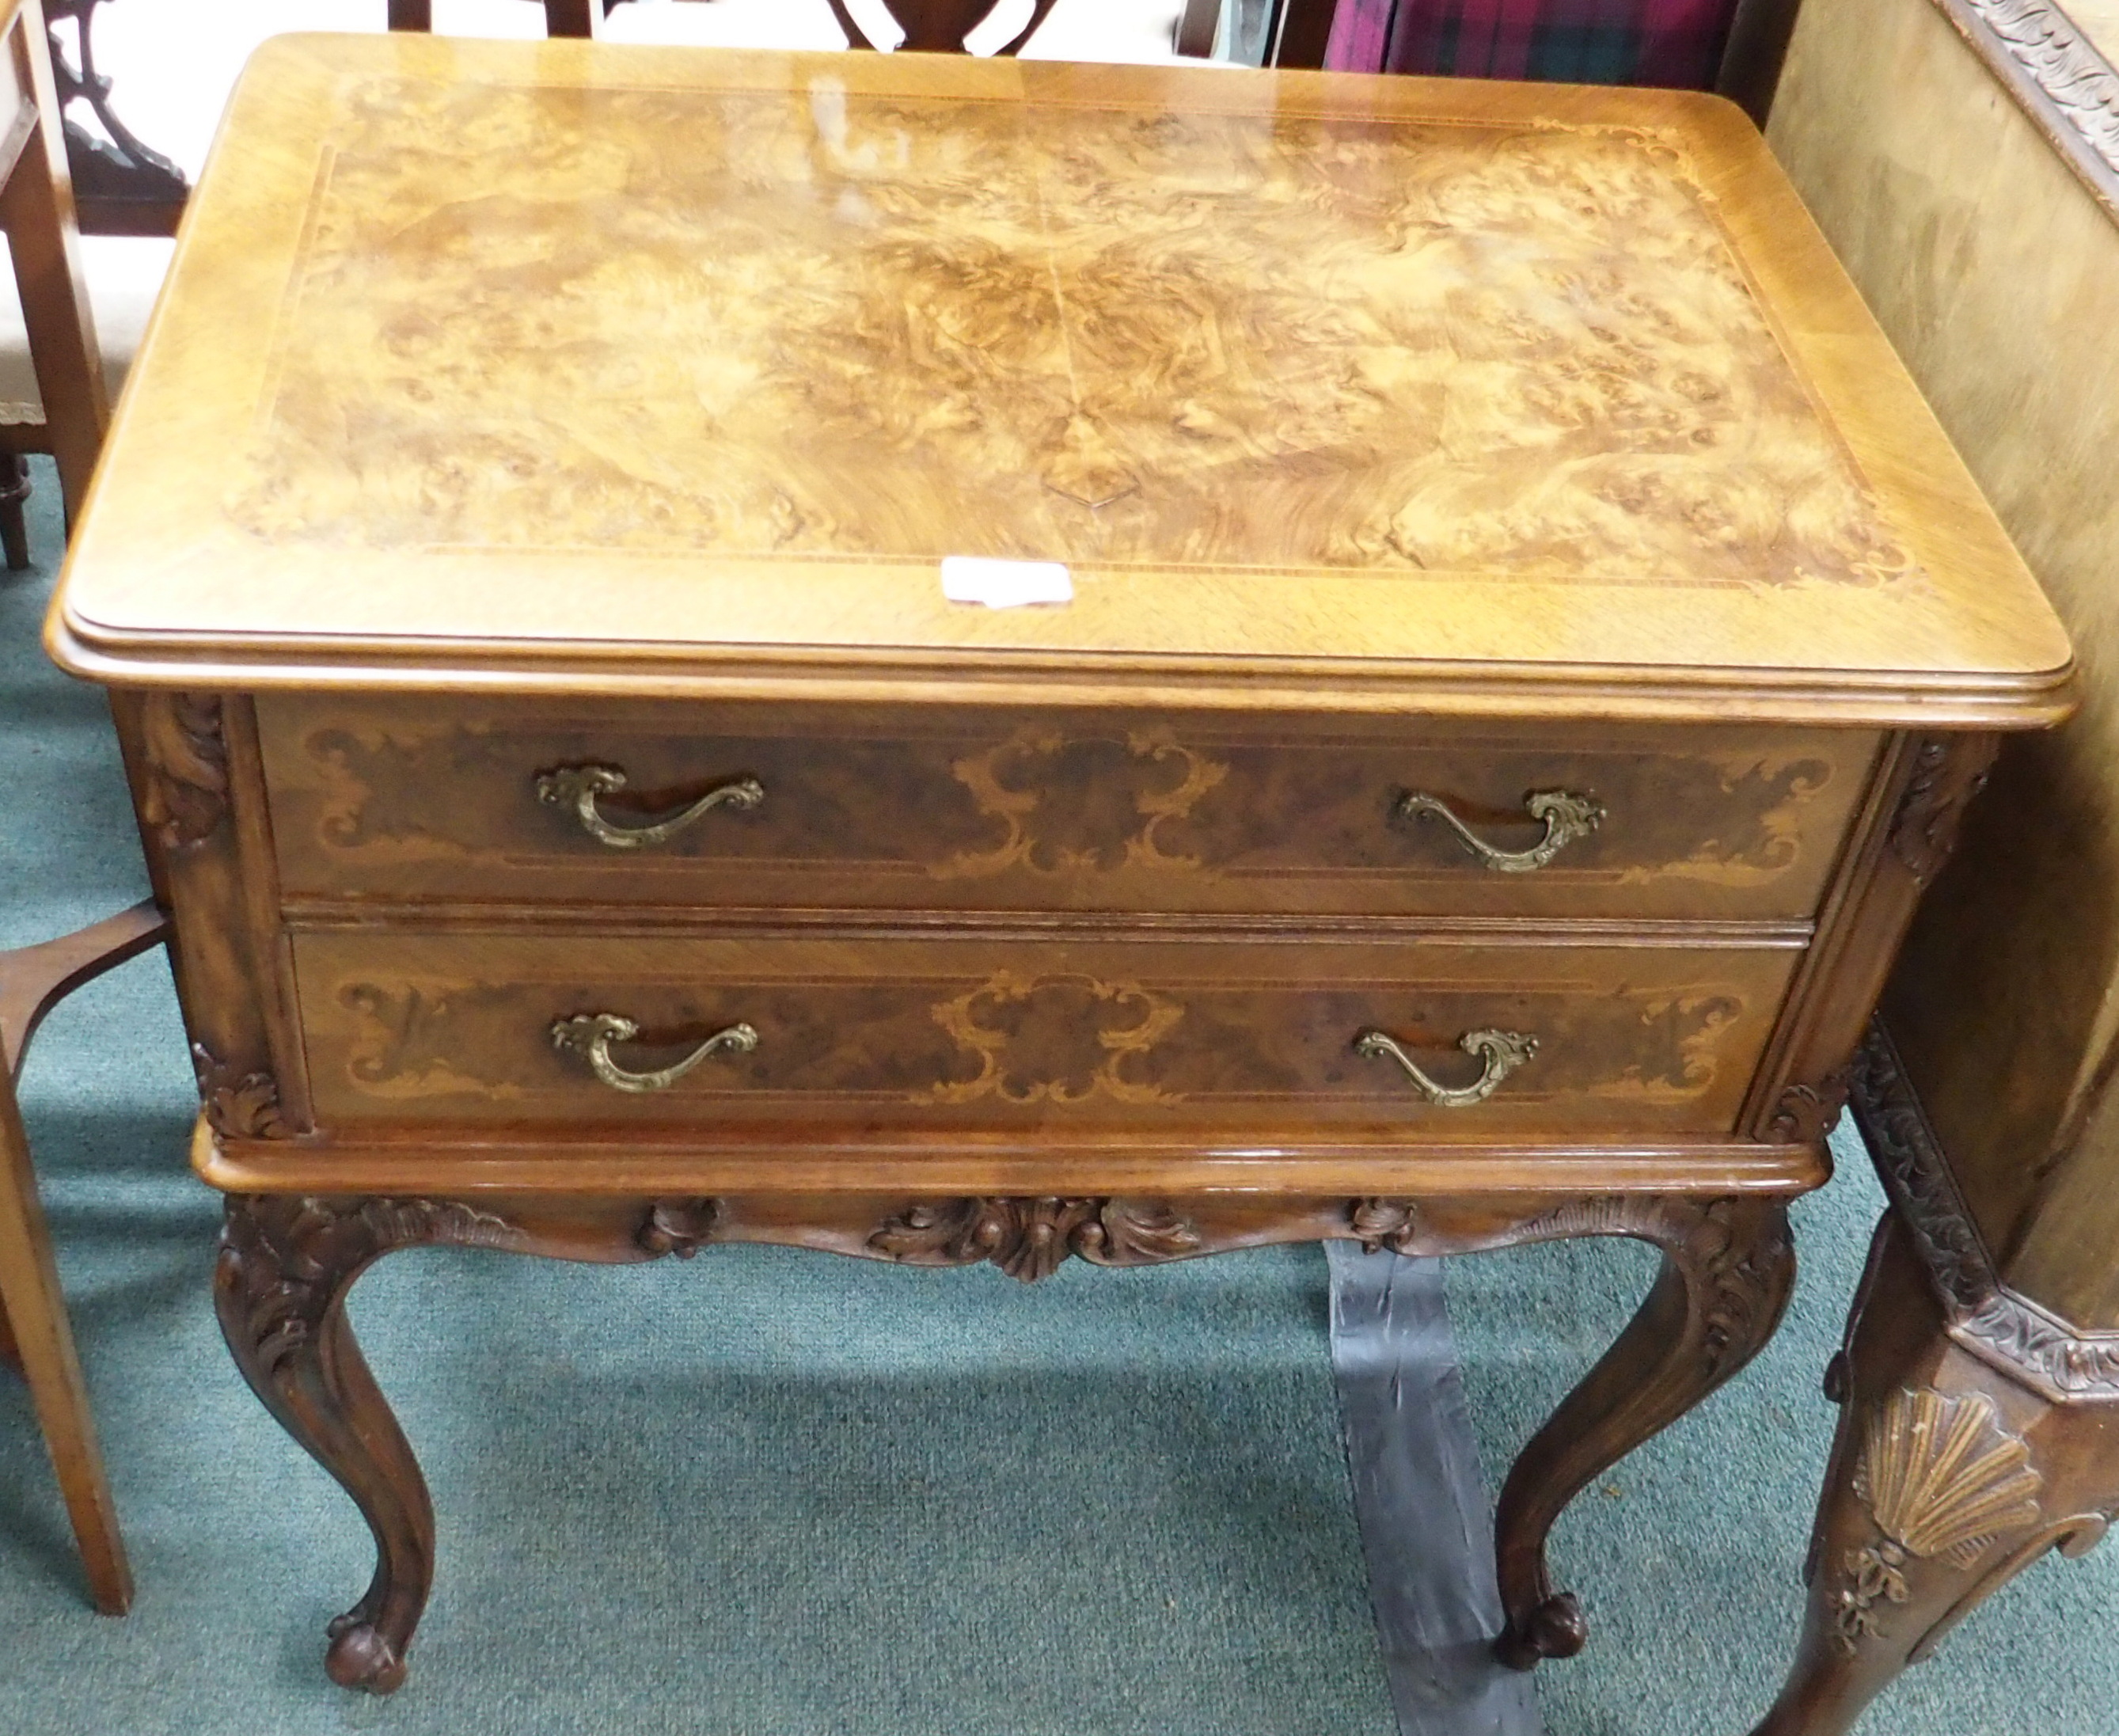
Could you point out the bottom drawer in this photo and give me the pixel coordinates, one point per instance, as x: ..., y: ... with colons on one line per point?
x: 453, y: 1028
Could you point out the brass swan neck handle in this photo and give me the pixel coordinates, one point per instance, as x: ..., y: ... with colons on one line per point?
x: 1502, y: 1052
x: 1567, y: 816
x: 590, y: 1035
x: 578, y: 787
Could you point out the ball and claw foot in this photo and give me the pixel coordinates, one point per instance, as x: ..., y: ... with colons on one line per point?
x: 1554, y: 1629
x: 360, y: 1657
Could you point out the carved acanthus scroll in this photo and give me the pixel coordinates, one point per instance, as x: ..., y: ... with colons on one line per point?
x: 284, y: 1261
x: 1030, y: 1239
x: 1807, y: 1112
x: 238, y: 1105
x: 186, y: 798
x: 1948, y: 772
x: 2069, y: 90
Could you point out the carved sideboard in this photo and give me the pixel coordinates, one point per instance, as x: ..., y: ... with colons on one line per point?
x: 1964, y: 157
x: 1529, y: 647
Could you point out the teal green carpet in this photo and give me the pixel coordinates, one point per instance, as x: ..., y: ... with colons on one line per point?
x: 767, y: 1493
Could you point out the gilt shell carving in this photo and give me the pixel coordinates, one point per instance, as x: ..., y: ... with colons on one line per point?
x: 1941, y: 1476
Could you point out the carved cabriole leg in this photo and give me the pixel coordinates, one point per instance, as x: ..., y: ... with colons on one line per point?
x: 1728, y: 1266
x: 280, y: 1287
x: 1977, y: 1433
x: 287, y: 1263
x: 1948, y: 1477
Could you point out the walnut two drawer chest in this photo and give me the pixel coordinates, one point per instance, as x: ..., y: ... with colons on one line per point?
x: 1520, y: 645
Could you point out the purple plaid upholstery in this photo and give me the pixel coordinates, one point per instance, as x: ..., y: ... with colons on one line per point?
x: 1600, y: 42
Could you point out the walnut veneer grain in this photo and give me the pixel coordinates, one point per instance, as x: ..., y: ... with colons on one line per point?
x: 868, y: 1033
x: 1103, y: 810
x: 1652, y: 461
x: 1530, y: 647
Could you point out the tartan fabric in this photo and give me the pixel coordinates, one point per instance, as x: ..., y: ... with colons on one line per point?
x: 1676, y: 43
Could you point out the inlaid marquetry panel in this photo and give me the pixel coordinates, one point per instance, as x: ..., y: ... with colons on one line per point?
x: 609, y: 371
x: 906, y: 328
x: 961, y: 808
x: 455, y: 1028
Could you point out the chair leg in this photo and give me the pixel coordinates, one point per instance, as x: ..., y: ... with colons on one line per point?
x: 29, y: 1293
x: 36, y: 211
x: 572, y: 17
x: 14, y: 521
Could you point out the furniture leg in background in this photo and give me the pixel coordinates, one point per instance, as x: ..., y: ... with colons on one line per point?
x: 36, y: 212
x: 1978, y: 1432
x: 34, y: 1334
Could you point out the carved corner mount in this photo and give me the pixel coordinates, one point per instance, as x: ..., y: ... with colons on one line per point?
x: 186, y: 795
x: 1806, y: 1113
x: 238, y: 1105
x: 2006, y: 1331
x: 1383, y: 1226
x: 1948, y: 772
x: 1030, y: 1239
x: 1943, y: 1480
x: 678, y: 1227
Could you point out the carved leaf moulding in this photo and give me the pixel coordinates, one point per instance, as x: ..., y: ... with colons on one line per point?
x: 186, y: 798
x: 238, y: 1105
x: 2009, y: 1332
x: 1947, y: 774
x: 1030, y: 1239
x: 2069, y: 90
x: 285, y: 1257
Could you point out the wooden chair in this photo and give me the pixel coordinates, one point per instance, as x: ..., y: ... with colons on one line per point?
x: 37, y: 215
x: 935, y: 26
x: 34, y: 1338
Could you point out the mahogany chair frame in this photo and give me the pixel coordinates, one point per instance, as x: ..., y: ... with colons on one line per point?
x: 37, y: 215
x: 36, y: 1340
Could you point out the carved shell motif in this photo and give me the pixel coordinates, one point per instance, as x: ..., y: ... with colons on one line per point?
x: 1381, y: 1224
x: 1942, y: 1477
x: 1030, y: 1239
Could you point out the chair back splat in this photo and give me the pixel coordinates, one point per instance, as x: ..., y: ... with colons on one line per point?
x: 939, y: 26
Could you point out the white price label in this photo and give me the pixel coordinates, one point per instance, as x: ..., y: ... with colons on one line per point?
x: 1005, y: 584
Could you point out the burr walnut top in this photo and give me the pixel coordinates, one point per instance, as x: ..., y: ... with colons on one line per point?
x: 598, y: 369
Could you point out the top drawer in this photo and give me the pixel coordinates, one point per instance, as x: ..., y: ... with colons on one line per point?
x: 963, y: 808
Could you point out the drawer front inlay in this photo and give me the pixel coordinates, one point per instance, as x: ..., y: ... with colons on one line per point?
x: 455, y: 1028
x: 964, y: 809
